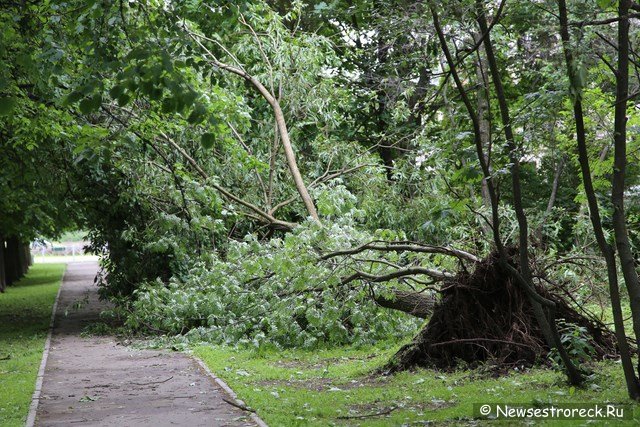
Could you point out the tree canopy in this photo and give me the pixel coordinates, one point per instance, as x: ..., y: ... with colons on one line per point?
x: 284, y: 173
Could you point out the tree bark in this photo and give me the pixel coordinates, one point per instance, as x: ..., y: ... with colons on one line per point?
x: 555, y: 186
x: 415, y: 303
x: 552, y: 197
x: 22, y: 259
x: 28, y: 261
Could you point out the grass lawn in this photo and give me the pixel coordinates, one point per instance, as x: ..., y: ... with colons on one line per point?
x: 297, y: 388
x: 25, y: 312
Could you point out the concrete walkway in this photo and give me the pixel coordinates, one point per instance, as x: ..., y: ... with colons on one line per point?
x: 94, y: 381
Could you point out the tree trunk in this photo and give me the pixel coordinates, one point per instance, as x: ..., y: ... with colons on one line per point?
x: 26, y: 255
x: 414, y: 303
x: 12, y: 260
x: 3, y: 279
x: 22, y: 260
x: 607, y: 251
x: 625, y: 255
x: 523, y: 276
x: 29, y: 255
x: 546, y: 321
x: 272, y: 99
x: 484, y: 122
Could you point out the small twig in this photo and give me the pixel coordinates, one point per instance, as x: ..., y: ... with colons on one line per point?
x: 377, y: 414
x: 238, y: 405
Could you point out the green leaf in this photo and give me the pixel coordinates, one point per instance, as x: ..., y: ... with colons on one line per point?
x: 166, y: 62
x: 139, y: 53
x: 131, y: 84
x: 208, y: 139
x: 7, y: 104
x: 85, y: 106
x: 116, y: 91
x: 88, y: 88
x: 604, y: 4
x: 156, y: 94
x: 197, y: 115
x: 89, y: 105
x: 169, y: 105
x: 188, y: 98
x: 147, y: 87
x: 73, y: 97
x: 124, y: 99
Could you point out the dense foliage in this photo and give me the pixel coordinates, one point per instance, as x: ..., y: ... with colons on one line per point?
x: 260, y: 293
x: 222, y: 154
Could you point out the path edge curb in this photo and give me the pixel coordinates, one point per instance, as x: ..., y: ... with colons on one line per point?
x: 254, y: 416
x: 35, y: 397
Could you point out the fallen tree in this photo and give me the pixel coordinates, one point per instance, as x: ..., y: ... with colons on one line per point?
x: 483, y: 316
x: 477, y: 315
x: 415, y: 303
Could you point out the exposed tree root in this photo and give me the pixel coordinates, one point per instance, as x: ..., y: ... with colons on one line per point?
x: 484, y: 317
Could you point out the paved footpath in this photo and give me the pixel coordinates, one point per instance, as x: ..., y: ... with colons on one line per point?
x: 94, y: 381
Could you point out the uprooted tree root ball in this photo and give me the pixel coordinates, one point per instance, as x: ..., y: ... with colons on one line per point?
x: 484, y: 317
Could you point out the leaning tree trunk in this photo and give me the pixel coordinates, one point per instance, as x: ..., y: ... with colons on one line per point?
x: 544, y: 309
x: 273, y: 101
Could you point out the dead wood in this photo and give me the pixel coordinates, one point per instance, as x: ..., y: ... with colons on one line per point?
x: 418, y: 304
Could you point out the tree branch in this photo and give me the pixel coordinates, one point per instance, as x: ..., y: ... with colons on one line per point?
x: 279, y: 116
x: 402, y: 272
x: 380, y: 245
x: 226, y: 193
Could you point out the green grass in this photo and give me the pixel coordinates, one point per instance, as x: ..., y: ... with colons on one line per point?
x: 25, y: 312
x: 297, y: 388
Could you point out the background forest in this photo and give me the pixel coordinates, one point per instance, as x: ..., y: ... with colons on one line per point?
x: 459, y: 177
